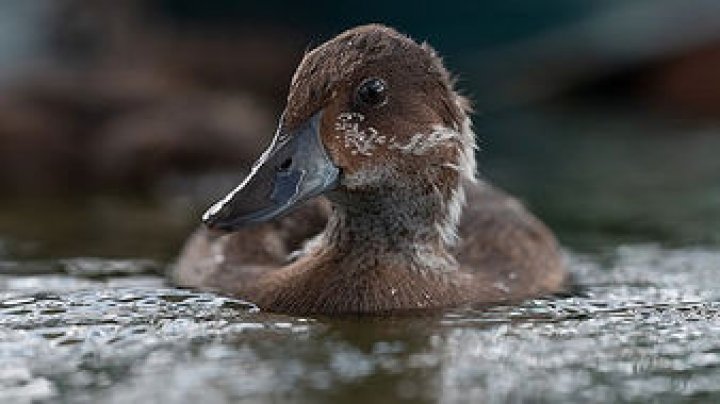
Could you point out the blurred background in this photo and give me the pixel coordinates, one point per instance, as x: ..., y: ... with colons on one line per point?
x: 121, y: 120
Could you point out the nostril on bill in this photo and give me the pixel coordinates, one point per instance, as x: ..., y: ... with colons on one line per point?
x: 285, y: 165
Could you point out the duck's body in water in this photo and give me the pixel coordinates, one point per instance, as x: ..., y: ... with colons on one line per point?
x: 373, y: 124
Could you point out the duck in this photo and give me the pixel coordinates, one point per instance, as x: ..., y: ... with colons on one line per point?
x: 367, y: 199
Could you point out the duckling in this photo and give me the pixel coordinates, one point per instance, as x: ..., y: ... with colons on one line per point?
x: 367, y: 199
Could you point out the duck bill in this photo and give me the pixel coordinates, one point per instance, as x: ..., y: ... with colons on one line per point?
x: 292, y: 170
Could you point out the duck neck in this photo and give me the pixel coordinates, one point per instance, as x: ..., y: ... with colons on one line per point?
x: 398, y: 227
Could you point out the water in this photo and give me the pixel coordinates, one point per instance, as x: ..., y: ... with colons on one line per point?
x: 643, y: 324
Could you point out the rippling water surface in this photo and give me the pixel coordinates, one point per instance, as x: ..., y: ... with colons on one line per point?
x: 643, y: 324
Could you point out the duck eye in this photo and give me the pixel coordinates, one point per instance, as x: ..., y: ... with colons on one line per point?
x: 372, y: 92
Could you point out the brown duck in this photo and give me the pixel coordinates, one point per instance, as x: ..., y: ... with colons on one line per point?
x: 374, y: 125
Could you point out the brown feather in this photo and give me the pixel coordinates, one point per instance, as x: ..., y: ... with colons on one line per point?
x: 405, y: 166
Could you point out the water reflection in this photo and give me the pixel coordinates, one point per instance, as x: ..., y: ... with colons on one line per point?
x: 632, y: 333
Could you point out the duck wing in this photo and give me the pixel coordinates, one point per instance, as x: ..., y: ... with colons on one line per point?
x: 232, y: 262
x: 503, y: 244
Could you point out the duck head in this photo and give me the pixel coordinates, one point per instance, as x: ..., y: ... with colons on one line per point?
x: 369, y: 113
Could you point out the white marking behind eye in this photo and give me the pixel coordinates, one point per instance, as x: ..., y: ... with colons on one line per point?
x: 357, y: 140
x: 422, y: 143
